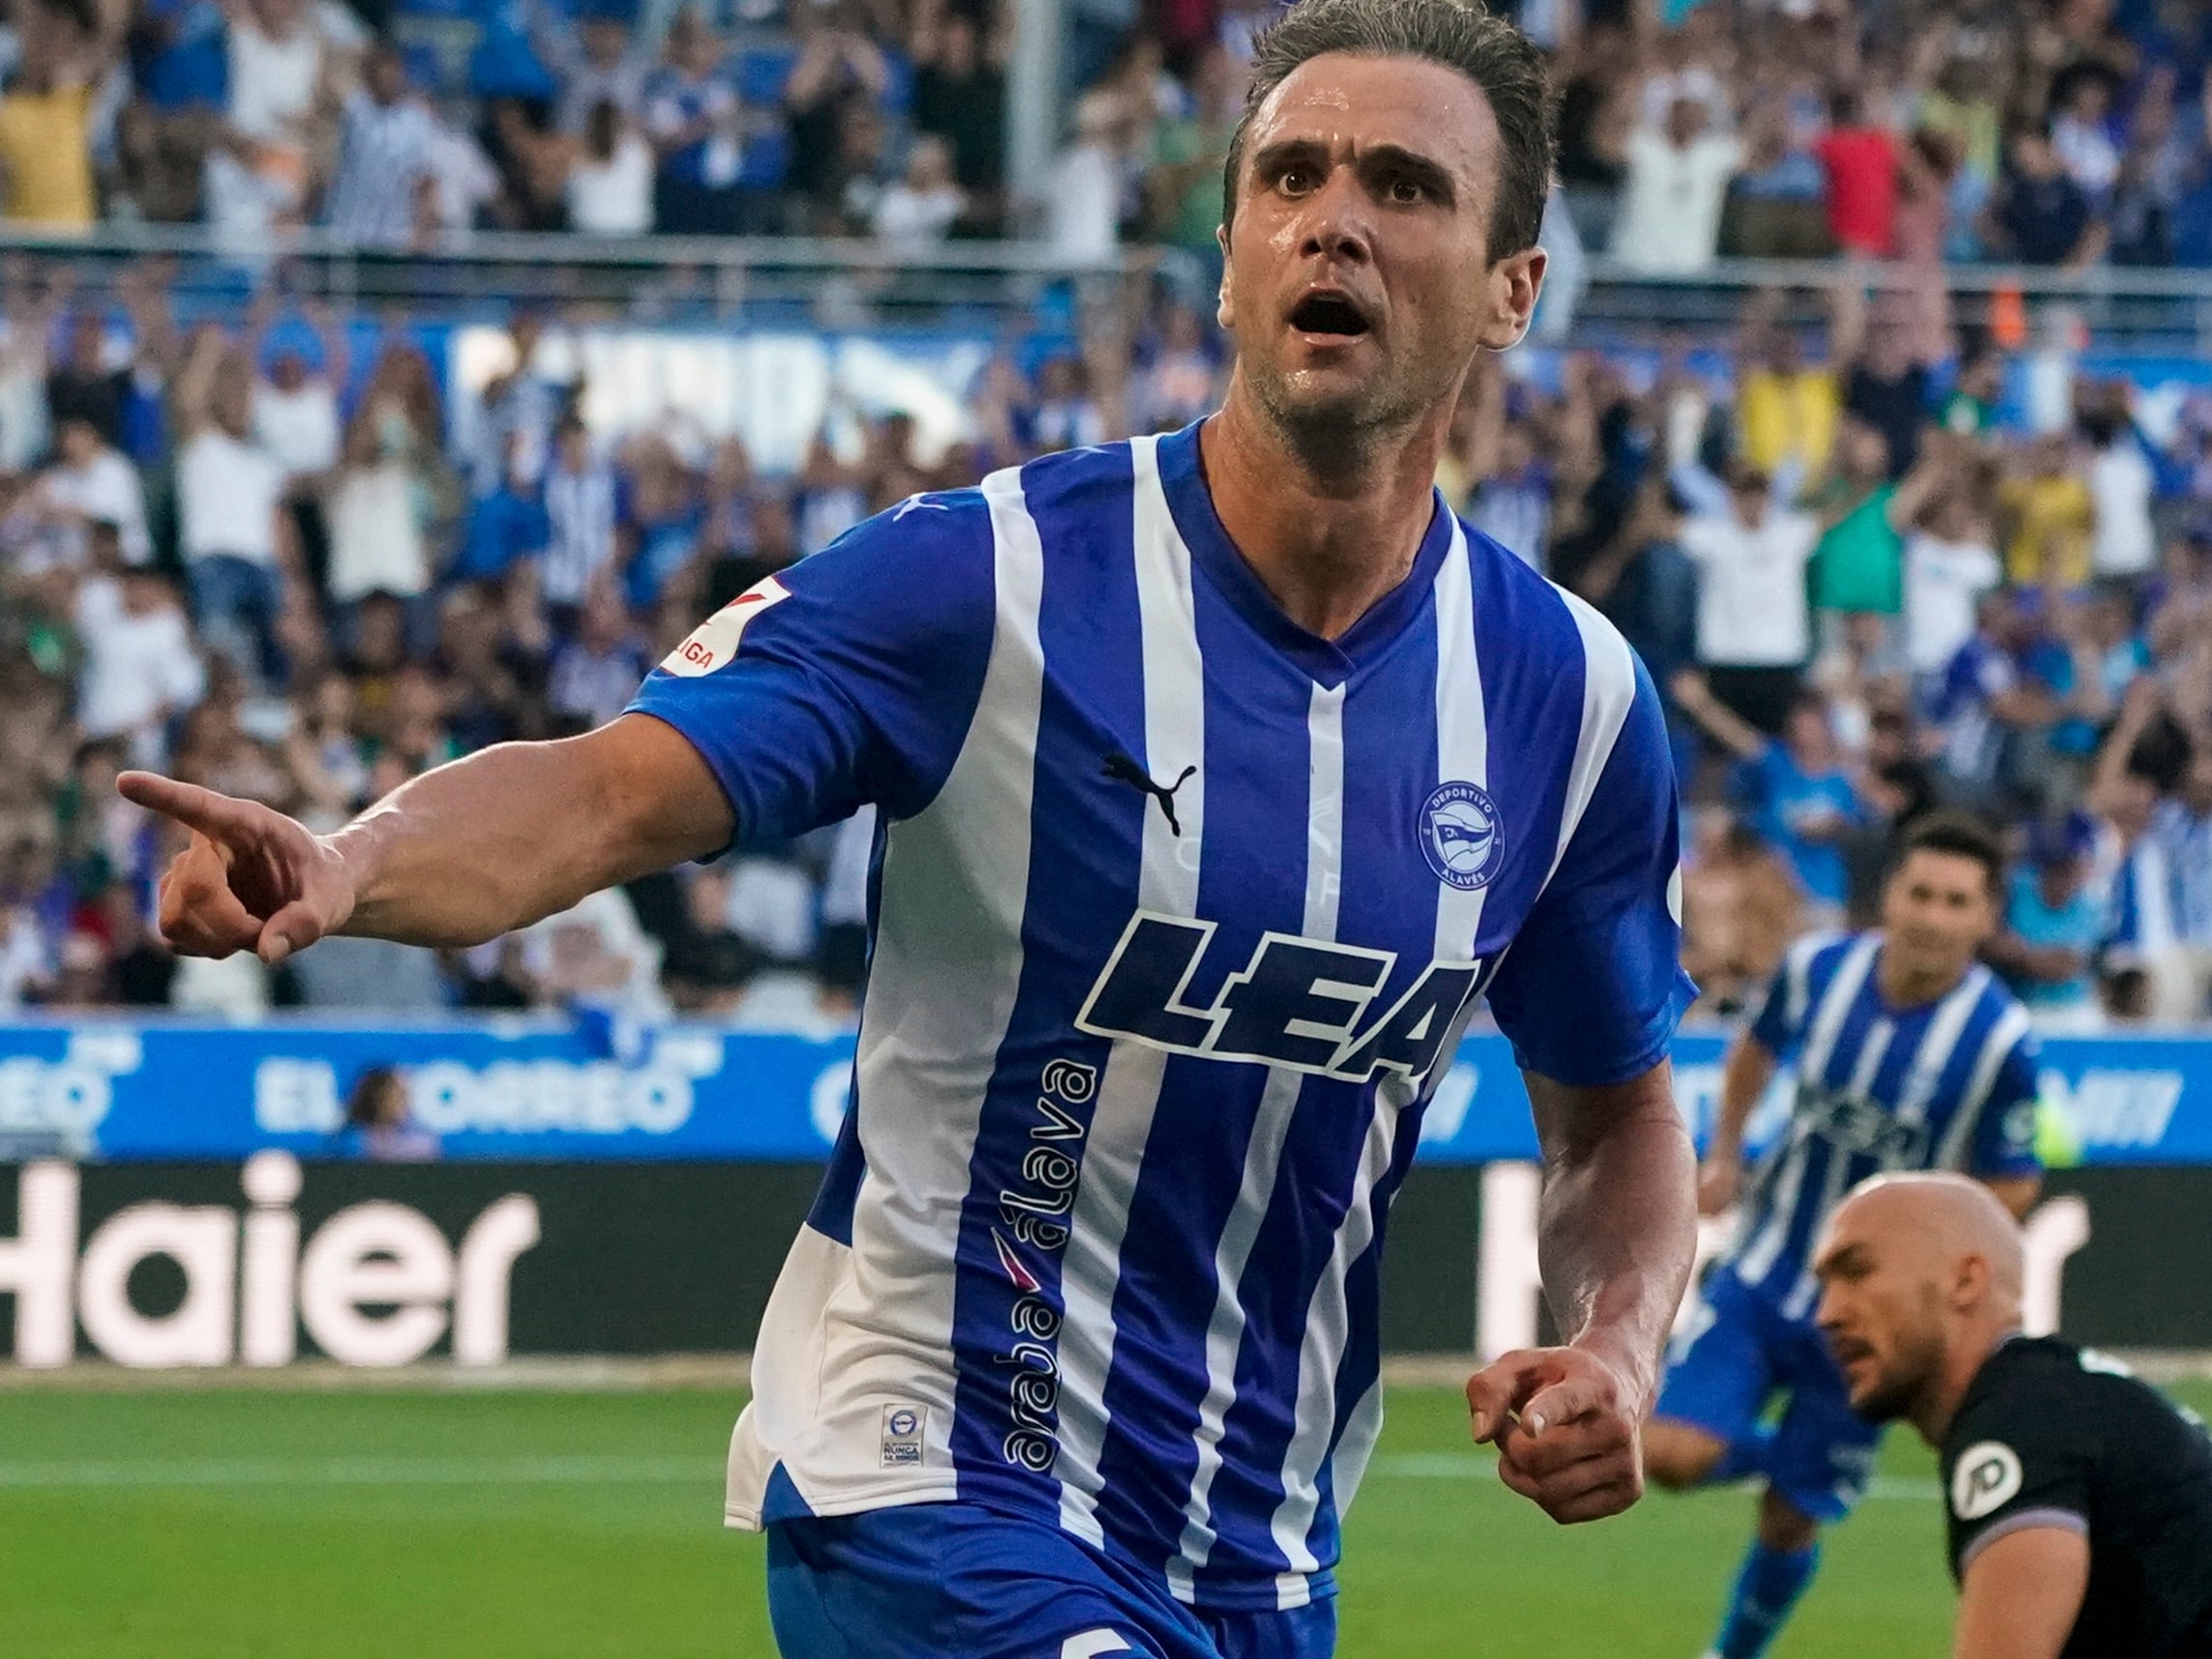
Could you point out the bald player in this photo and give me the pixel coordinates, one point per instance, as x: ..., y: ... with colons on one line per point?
x: 2079, y: 1498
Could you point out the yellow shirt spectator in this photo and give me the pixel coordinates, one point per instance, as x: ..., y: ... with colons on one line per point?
x: 47, y: 160
x: 2052, y: 516
x: 1783, y: 413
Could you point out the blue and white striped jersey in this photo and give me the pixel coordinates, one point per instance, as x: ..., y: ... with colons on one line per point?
x: 1949, y: 1084
x: 1176, y: 909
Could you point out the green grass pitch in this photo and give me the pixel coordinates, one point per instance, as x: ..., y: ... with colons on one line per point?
x: 414, y: 1525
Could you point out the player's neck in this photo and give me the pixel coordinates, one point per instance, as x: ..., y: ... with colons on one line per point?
x: 1903, y: 985
x: 1326, y: 540
x: 1947, y: 1392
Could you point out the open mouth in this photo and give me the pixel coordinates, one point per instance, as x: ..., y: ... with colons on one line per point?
x: 1326, y: 312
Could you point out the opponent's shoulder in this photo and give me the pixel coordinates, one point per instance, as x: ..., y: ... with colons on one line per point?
x: 2023, y: 1394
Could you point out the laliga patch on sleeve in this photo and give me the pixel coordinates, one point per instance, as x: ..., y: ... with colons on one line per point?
x: 1985, y: 1479
x: 714, y: 642
x: 904, y: 1430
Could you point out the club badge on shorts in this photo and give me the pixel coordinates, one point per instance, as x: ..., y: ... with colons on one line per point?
x: 1461, y: 835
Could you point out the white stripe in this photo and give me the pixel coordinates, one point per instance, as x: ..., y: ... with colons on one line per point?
x: 1129, y: 1091
x: 1463, y: 756
x: 941, y: 988
x: 2011, y: 1026
x: 1870, y: 1057
x: 1937, y: 1042
x: 1758, y: 1256
x: 1608, y: 694
x: 1263, y: 1154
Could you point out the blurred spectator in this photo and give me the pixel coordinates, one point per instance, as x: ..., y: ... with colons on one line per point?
x: 1083, y: 212
x: 609, y: 190
x: 377, y: 542
x: 2040, y: 215
x: 2051, y: 515
x: 380, y: 1125
x: 594, y: 676
x: 1679, y: 170
x: 139, y: 668
x: 959, y: 94
x: 89, y: 384
x: 580, y: 523
x: 385, y: 138
x: 92, y: 482
x: 2175, y: 940
x: 2123, y: 540
x: 1740, y: 909
x: 1861, y: 163
x: 601, y: 65
x: 1951, y: 563
x: 1753, y: 631
x: 46, y: 112
x: 692, y: 117
x: 2001, y: 695
x: 2054, y: 923
x: 918, y: 212
x: 1858, y: 564
x: 232, y: 533
x: 1795, y: 793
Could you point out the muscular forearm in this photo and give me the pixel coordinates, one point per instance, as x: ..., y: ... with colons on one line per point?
x: 1618, y: 1226
x: 522, y: 831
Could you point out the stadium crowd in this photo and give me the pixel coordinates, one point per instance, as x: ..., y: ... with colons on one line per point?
x: 2064, y: 132
x: 1864, y: 582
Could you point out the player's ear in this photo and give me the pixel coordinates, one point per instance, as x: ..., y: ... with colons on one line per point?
x: 1509, y: 299
x: 1970, y: 1282
x: 1223, y: 313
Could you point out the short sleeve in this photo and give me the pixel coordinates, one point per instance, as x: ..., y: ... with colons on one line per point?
x: 846, y: 679
x: 1780, y: 1021
x: 2004, y: 1132
x: 2008, y: 1468
x: 1592, y: 988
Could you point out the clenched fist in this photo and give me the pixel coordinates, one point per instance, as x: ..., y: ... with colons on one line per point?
x: 1565, y: 1426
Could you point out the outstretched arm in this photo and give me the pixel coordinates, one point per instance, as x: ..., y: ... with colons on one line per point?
x: 1616, y: 1234
x: 473, y: 850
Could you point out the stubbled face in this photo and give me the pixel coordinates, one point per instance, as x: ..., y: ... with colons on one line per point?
x: 1882, y: 1316
x: 1356, y: 280
x: 1935, y: 911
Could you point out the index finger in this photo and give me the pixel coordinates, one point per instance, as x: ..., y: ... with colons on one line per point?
x: 1497, y: 1390
x: 219, y: 817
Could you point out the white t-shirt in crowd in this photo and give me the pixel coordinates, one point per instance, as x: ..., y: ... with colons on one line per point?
x: 614, y: 197
x: 135, y: 666
x: 106, y: 487
x: 272, y: 81
x: 300, y: 428
x: 227, y: 495
x: 2121, y: 485
x: 1082, y: 214
x: 375, y: 545
x: 1670, y: 206
x: 913, y: 222
x: 1751, y: 589
x: 1944, y: 581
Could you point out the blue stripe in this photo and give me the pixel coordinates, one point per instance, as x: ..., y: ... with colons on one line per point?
x: 1253, y: 877
x: 1959, y: 1067
x: 1080, y: 890
x: 1386, y: 898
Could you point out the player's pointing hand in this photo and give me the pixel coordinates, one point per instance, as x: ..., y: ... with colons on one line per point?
x: 1564, y: 1425
x: 252, y: 879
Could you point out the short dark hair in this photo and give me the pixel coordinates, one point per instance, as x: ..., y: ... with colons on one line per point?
x: 1458, y: 33
x: 1955, y: 835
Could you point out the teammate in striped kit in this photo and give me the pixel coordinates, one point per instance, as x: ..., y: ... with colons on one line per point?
x: 1219, y: 774
x: 1908, y: 1054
